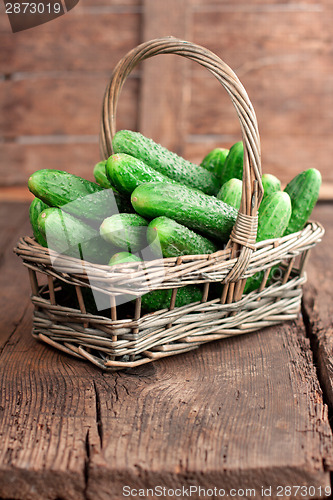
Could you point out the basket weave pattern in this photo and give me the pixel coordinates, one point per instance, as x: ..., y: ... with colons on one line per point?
x: 116, y: 341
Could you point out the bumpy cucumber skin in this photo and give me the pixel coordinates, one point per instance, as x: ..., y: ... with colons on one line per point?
x: 36, y: 207
x: 164, y: 161
x: 126, y: 173
x: 189, y: 207
x: 214, y: 161
x: 57, y: 187
x: 66, y: 234
x: 100, y: 175
x: 271, y: 184
x: 173, y: 239
x: 233, y: 165
x: 273, y: 218
x: 126, y: 231
x: 231, y: 193
x: 75, y: 195
x: 304, y: 192
x: 160, y: 299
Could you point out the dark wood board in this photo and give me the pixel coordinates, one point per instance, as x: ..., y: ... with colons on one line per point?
x: 15, y: 288
x: 77, y: 157
x: 85, y: 39
x: 68, y: 104
x: 246, y: 412
x: 318, y: 302
x: 163, y: 84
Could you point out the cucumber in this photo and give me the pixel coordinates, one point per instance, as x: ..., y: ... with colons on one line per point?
x: 160, y: 299
x: 123, y: 202
x: 126, y: 173
x: 273, y: 218
x: 75, y: 195
x: 126, y: 231
x: 36, y: 207
x: 304, y: 192
x: 121, y: 257
x: 100, y: 175
x: 165, y: 161
x: 66, y: 234
x: 231, y: 193
x: 233, y: 165
x: 271, y: 184
x: 190, y: 207
x: 214, y: 161
x: 172, y: 239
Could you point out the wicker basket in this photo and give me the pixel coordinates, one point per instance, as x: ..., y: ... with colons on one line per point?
x: 123, y: 337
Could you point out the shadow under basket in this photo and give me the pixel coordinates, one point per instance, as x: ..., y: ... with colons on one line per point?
x: 124, y: 335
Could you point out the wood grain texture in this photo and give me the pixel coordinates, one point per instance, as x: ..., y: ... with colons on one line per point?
x: 245, y: 412
x: 163, y: 90
x: 14, y: 286
x: 286, y: 73
x: 19, y: 161
x: 252, y: 427
x: 318, y: 302
x: 91, y: 40
x: 69, y: 104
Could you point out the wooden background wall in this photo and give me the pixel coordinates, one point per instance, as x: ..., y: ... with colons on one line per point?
x: 52, y: 80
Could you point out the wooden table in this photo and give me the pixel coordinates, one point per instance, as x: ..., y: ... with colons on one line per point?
x: 247, y: 416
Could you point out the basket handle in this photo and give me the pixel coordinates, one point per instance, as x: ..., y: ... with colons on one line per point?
x: 245, y: 229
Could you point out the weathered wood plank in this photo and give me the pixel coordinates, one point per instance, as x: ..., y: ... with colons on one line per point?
x: 258, y: 5
x: 162, y: 91
x: 48, y: 419
x: 318, y: 301
x: 15, y: 289
x: 19, y: 161
x: 254, y: 33
x: 288, y: 78
x: 69, y: 104
x: 90, y: 41
x: 221, y: 416
x: 284, y: 94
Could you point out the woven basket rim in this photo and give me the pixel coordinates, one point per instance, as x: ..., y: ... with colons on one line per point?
x: 119, y: 277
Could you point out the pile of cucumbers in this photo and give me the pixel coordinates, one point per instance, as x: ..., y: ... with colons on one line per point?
x: 147, y: 196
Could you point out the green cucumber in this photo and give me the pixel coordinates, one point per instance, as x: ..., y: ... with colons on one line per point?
x: 304, y: 192
x: 214, y: 161
x: 189, y: 207
x: 122, y: 257
x: 164, y: 161
x: 68, y: 235
x: 100, y: 175
x: 36, y: 207
x: 126, y: 231
x: 172, y: 239
x: 123, y: 202
x: 160, y: 299
x: 233, y: 165
x: 75, y: 195
x: 126, y: 173
x: 231, y: 193
x: 273, y: 218
x: 271, y: 184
